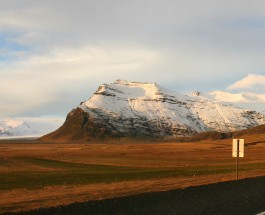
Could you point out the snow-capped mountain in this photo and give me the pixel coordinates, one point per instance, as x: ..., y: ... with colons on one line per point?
x: 247, y: 100
x: 21, y: 127
x: 131, y: 109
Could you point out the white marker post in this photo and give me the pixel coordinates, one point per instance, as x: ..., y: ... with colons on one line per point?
x: 238, y: 152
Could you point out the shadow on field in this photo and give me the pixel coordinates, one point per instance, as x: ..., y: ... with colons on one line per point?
x: 245, y: 196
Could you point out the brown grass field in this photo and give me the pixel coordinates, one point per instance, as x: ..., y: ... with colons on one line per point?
x: 35, y: 174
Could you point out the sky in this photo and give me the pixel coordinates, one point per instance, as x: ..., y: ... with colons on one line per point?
x: 55, y: 54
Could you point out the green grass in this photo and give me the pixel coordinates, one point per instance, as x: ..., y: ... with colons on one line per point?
x: 67, y: 173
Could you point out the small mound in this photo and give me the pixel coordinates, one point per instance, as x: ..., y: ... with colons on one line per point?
x: 251, y: 131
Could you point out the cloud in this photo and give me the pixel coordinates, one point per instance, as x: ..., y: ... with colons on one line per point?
x: 251, y: 81
x: 64, y: 21
x: 70, y: 47
x: 62, y: 77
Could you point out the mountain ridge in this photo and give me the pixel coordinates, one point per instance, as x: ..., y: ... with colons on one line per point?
x: 28, y: 126
x: 137, y: 109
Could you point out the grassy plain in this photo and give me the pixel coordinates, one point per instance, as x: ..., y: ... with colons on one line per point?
x: 35, y: 174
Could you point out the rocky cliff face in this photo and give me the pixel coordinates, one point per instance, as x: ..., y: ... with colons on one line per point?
x: 134, y: 109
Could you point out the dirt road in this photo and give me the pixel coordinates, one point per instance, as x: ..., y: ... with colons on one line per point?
x: 245, y: 196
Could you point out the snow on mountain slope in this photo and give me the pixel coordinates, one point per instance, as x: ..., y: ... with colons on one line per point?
x: 132, y: 109
x: 27, y: 126
x: 251, y: 101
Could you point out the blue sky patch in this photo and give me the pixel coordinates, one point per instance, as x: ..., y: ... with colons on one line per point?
x: 9, y: 47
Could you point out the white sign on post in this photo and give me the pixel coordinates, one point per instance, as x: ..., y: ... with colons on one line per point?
x: 240, y: 144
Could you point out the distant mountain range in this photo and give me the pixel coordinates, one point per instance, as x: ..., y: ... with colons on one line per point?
x: 135, y: 109
x: 31, y: 127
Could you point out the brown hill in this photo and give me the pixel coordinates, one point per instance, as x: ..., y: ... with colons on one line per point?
x: 213, y: 135
x: 251, y: 131
x: 78, y: 126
